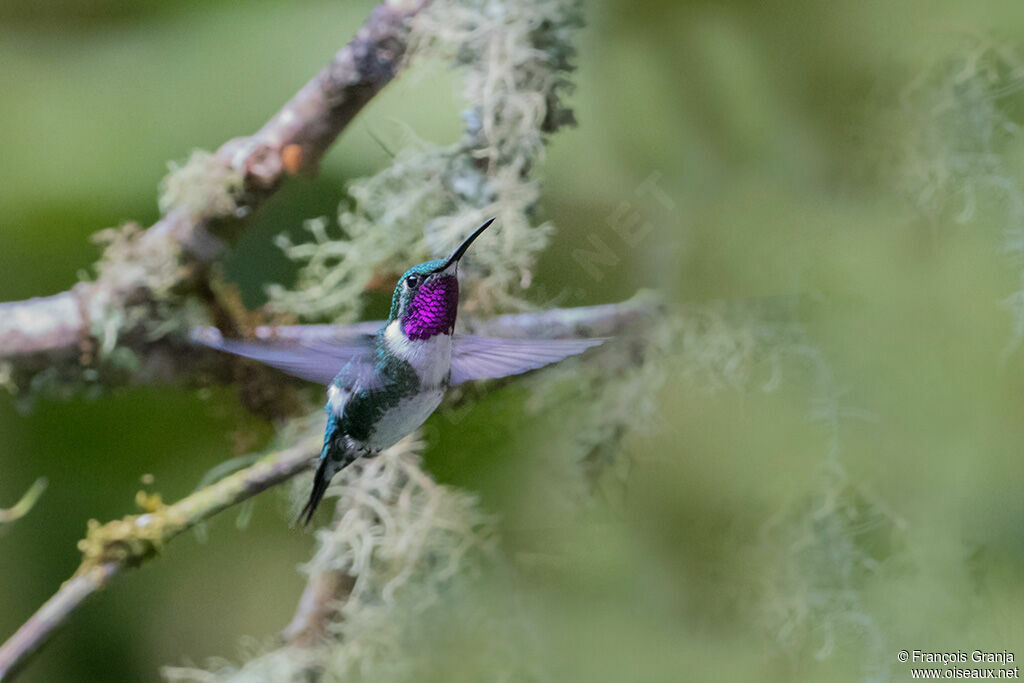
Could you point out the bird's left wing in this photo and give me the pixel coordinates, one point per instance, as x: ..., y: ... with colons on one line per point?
x: 316, y: 359
x: 490, y: 358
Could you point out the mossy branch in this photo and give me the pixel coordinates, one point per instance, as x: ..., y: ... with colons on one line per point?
x: 136, y: 298
x: 122, y: 544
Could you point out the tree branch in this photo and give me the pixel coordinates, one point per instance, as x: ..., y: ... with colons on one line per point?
x: 318, y: 604
x: 293, y: 141
x: 38, y: 629
x: 126, y: 543
x: 604, y: 320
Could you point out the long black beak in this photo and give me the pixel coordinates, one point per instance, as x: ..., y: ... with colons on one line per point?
x: 457, y: 254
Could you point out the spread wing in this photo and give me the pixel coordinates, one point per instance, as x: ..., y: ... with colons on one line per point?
x: 317, y: 359
x: 489, y: 358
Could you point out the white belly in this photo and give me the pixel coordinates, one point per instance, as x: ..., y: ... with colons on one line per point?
x: 404, y: 418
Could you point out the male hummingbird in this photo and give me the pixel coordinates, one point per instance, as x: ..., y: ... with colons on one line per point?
x: 390, y: 382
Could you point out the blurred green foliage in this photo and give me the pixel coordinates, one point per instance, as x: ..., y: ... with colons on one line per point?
x: 803, y: 533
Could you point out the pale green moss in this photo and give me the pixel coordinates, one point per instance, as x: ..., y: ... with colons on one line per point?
x: 204, y: 186
x: 960, y: 125
x: 826, y: 554
x: 415, y: 549
x: 516, y: 58
x: 129, y: 541
x: 707, y: 347
x: 139, y: 295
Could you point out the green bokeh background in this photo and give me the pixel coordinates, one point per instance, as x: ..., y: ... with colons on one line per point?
x: 764, y: 125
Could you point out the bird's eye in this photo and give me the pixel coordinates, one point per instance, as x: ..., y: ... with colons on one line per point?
x: 412, y: 281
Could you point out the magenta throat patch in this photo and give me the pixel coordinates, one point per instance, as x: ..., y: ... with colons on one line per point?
x: 432, y: 309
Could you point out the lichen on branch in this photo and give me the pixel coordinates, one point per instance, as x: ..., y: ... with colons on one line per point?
x: 206, y: 186
x: 516, y: 59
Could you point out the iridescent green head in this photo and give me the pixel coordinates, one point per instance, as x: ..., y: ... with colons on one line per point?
x: 426, y: 299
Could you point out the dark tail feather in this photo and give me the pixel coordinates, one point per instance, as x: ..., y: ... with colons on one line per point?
x: 320, y: 481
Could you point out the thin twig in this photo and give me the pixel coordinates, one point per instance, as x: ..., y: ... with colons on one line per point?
x: 22, y: 507
x: 35, y: 632
x: 128, y: 542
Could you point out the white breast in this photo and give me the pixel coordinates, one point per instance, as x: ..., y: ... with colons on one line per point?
x: 431, y: 358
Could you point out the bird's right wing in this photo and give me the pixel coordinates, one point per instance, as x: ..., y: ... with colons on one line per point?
x: 318, y: 359
x: 476, y: 357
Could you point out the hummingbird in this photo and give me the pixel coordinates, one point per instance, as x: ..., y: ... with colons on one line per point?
x: 383, y: 386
